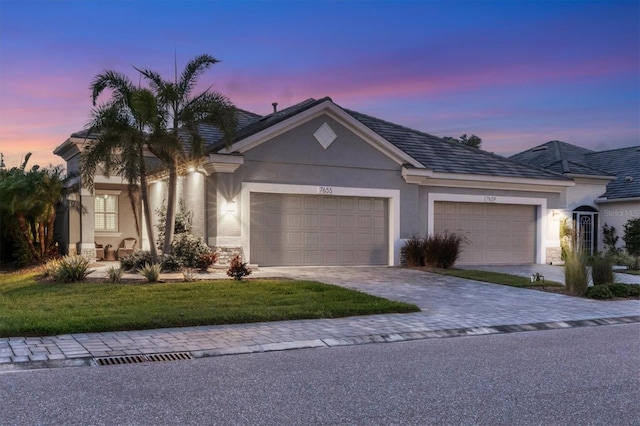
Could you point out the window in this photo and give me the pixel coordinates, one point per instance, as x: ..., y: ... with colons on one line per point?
x: 106, y: 213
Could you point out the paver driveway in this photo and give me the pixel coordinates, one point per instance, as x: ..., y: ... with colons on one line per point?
x: 452, y: 302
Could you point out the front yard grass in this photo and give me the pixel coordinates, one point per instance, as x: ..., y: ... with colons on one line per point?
x: 497, y: 278
x: 32, y: 308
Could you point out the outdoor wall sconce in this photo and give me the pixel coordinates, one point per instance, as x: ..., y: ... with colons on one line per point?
x: 231, y: 206
x: 191, y: 169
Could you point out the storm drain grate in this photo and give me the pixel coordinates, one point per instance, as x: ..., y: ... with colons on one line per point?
x: 137, y: 359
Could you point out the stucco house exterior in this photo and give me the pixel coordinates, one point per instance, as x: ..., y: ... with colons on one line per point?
x: 318, y: 184
x: 606, y: 190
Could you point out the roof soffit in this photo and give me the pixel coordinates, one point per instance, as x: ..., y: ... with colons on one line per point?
x: 431, y: 178
x: 335, y: 112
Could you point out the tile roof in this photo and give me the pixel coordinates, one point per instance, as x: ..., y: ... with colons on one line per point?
x: 259, y: 123
x: 561, y: 157
x: 624, y: 163
x: 444, y: 156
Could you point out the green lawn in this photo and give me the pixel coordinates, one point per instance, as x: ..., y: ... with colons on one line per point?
x: 32, y: 308
x: 496, y: 278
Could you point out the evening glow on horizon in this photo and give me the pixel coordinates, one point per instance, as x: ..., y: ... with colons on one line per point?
x: 515, y: 73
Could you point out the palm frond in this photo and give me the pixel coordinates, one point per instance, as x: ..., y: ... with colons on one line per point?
x: 119, y: 83
x: 192, y: 71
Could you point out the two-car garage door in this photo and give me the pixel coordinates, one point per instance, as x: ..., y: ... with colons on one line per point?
x: 318, y: 230
x: 496, y: 233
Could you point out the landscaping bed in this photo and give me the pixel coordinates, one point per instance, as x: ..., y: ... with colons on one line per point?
x: 523, y: 282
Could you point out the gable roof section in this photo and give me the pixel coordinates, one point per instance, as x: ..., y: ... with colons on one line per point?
x: 622, y: 164
x: 282, y: 121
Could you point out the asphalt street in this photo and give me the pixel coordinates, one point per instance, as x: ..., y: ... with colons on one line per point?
x: 573, y: 376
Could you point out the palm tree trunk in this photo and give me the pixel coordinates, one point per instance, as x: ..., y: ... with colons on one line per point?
x: 171, y: 206
x: 24, y: 230
x: 42, y: 239
x: 144, y: 198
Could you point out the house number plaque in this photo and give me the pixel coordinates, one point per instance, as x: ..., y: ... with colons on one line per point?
x: 325, y: 190
x: 490, y: 199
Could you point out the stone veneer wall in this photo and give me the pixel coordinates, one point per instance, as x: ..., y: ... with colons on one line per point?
x: 554, y: 255
x: 226, y: 253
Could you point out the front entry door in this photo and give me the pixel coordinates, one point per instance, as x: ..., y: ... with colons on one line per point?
x: 586, y: 226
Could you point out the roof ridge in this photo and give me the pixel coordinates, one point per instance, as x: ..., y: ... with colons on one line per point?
x: 636, y: 147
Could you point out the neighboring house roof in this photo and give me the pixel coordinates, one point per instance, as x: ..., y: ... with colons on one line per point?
x: 624, y: 163
x: 562, y: 157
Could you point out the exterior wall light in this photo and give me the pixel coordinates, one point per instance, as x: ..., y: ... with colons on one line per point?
x: 231, y: 206
x: 191, y: 169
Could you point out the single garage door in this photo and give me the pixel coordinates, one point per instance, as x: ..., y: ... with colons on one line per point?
x: 497, y: 233
x: 318, y: 230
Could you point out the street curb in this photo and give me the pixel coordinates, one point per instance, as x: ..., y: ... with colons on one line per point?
x: 346, y: 341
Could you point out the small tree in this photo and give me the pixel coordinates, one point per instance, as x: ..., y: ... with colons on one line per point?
x: 472, y: 141
x: 610, y: 239
x: 631, y: 236
x: 566, y: 238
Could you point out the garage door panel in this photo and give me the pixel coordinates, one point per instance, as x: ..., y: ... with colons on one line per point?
x: 318, y: 230
x: 497, y: 233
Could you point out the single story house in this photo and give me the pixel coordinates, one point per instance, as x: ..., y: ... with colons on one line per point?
x: 318, y: 184
x: 606, y: 190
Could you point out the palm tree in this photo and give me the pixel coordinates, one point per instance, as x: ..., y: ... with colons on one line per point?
x: 28, y: 205
x: 185, y: 112
x: 127, y: 124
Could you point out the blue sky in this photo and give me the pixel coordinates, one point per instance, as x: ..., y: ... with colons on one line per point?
x: 516, y: 73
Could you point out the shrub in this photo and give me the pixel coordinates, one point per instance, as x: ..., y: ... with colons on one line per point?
x: 189, y: 275
x: 170, y: 263
x: 206, y: 260
x: 136, y: 261
x: 619, y: 290
x: 634, y: 290
x: 610, y: 239
x: 601, y: 270
x: 151, y: 272
x: 238, y: 270
x: 632, y: 236
x: 72, y: 269
x: 114, y: 275
x: 443, y: 250
x: 576, y: 275
x: 599, y: 292
x: 567, y: 237
x: 625, y: 259
x: 50, y: 268
x: 189, y: 249
x: 412, y: 252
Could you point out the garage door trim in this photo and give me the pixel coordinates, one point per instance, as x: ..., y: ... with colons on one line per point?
x: 540, y: 203
x: 392, y: 195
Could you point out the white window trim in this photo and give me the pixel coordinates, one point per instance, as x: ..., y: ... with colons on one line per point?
x: 541, y: 213
x: 104, y: 232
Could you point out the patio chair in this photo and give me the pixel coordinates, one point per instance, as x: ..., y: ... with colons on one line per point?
x: 99, y: 251
x: 127, y: 246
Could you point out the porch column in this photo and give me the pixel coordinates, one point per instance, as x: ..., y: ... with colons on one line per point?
x: 87, y: 243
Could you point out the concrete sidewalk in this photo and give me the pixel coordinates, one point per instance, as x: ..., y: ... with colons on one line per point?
x: 450, y: 307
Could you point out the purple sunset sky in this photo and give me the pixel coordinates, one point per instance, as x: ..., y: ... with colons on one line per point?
x: 515, y: 73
